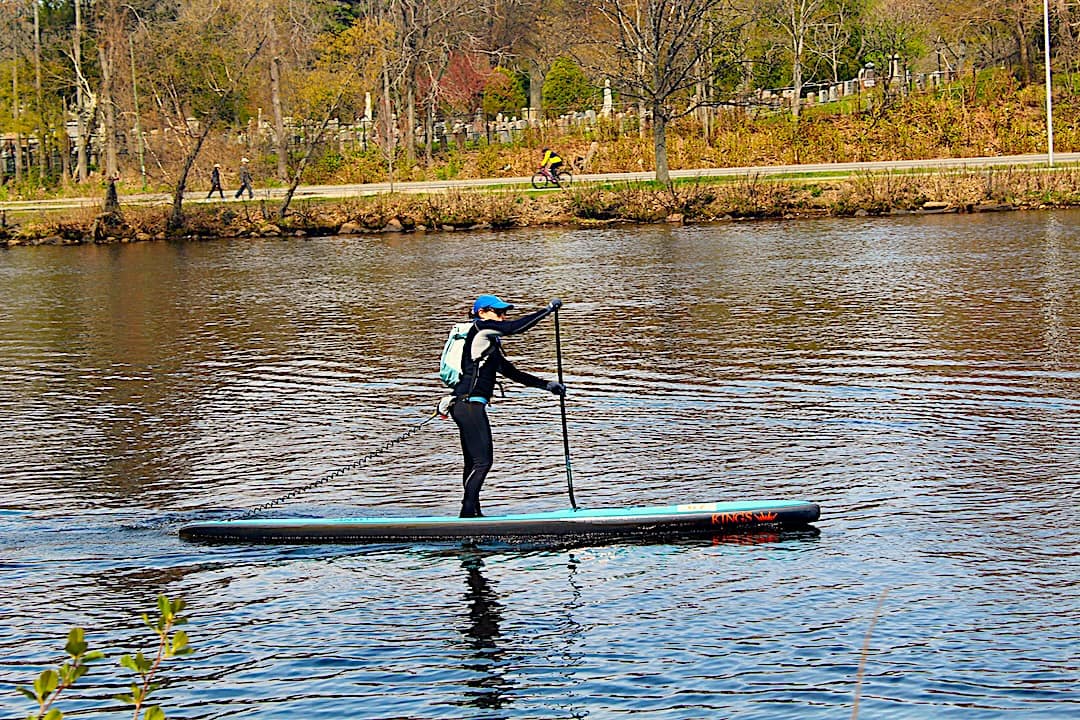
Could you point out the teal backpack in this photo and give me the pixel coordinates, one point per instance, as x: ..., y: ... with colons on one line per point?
x: 453, y: 350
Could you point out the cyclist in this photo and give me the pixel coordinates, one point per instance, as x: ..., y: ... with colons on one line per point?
x: 552, y: 163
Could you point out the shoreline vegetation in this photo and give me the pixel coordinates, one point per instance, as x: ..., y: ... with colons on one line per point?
x: 583, y: 205
x: 985, y: 114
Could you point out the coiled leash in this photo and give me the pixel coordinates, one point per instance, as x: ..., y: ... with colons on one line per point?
x: 333, y: 475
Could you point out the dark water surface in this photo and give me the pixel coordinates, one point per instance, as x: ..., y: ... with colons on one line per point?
x: 920, y: 378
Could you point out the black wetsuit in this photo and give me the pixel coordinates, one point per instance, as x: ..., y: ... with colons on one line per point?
x: 482, y: 360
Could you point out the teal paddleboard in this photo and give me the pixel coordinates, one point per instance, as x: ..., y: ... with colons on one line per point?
x: 708, y: 518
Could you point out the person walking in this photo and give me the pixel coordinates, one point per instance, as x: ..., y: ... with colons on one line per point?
x: 482, y: 360
x: 245, y: 180
x: 215, y: 182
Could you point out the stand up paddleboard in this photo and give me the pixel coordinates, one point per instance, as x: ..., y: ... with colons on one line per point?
x: 716, y: 518
x: 649, y: 523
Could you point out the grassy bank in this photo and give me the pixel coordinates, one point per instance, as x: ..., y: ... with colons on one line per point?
x: 584, y: 205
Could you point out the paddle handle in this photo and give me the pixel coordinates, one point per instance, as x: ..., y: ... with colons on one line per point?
x: 562, y: 410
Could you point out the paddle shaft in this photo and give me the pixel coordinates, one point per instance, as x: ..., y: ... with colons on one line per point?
x: 562, y: 410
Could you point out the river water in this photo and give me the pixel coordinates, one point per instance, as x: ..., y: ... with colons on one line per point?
x: 917, y: 377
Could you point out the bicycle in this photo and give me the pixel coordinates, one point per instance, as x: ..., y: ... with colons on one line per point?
x: 543, y: 178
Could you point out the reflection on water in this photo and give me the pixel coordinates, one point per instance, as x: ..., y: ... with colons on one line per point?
x: 918, y: 377
x: 489, y: 686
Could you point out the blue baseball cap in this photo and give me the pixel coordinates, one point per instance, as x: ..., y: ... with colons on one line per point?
x: 490, y: 302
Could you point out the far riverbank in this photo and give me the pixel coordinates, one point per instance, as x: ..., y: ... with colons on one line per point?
x: 498, y: 204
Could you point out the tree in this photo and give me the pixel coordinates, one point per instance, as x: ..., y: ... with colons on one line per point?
x: 503, y: 93
x: 999, y: 32
x: 835, y: 40
x: 347, y: 63
x: 461, y: 88
x: 292, y: 29
x: 39, y: 33
x: 426, y: 32
x: 1024, y: 20
x: 567, y: 88
x: 1068, y: 36
x: 895, y: 29
x: 531, y: 34
x: 796, y: 20
x: 196, y: 62
x: 661, y: 52
x: 13, y: 42
x: 110, y: 31
x: 85, y: 99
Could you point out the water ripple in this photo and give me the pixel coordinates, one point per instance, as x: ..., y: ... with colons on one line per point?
x: 918, y: 377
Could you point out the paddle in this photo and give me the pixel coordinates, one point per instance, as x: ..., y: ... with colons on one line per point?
x: 562, y: 409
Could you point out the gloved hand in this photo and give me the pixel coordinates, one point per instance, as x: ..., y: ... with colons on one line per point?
x: 554, y: 305
x: 556, y: 388
x: 444, y: 405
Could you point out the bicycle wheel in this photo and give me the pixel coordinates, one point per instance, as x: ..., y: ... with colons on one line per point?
x: 565, y: 178
x: 539, y: 181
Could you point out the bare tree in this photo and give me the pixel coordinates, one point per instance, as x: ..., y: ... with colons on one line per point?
x: 833, y: 36
x: 110, y: 33
x: 197, y: 62
x: 1068, y: 15
x: 39, y: 104
x: 1023, y: 19
x: 535, y: 32
x: 661, y: 51
x: 347, y: 63
x: 292, y: 29
x: 280, y: 140
x: 85, y: 98
x: 796, y: 20
x: 424, y: 29
x: 14, y: 18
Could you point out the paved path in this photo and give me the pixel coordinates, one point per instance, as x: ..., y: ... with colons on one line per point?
x: 343, y: 191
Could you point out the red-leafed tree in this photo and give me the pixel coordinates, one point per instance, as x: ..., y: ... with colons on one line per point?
x: 460, y: 89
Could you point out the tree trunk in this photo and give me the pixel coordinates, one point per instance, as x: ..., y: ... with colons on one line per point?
x: 1026, y: 69
x: 429, y: 132
x: 80, y: 113
x: 659, y: 121
x: 138, y: 119
x: 536, y: 91
x: 279, y: 117
x: 42, y: 149
x: 82, y: 162
x: 410, y: 120
x: 176, y: 215
x: 65, y: 149
x: 389, y: 141
x: 704, y: 112
x: 108, y: 109
x: 112, y: 199
x: 796, y: 85
x: 15, y: 116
